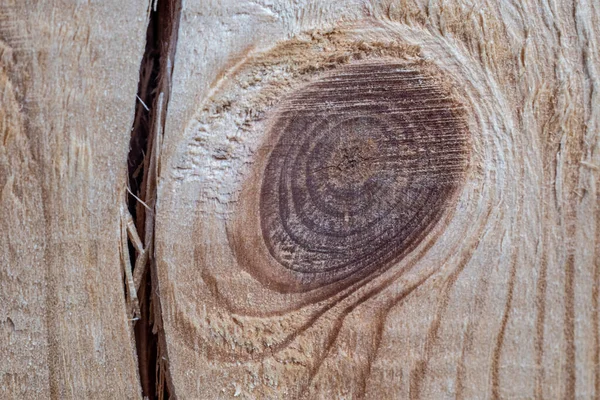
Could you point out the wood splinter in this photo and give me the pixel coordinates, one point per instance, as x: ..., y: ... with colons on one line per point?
x: 133, y: 278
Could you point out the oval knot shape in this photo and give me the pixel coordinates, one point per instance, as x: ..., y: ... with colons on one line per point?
x: 364, y: 161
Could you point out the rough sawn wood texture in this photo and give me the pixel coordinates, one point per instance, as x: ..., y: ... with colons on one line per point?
x: 68, y: 78
x: 355, y: 199
x: 496, y: 298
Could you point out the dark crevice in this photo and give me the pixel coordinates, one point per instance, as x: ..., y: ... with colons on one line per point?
x: 151, y: 106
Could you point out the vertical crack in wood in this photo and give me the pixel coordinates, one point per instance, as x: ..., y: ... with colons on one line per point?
x: 145, y: 340
x: 143, y: 162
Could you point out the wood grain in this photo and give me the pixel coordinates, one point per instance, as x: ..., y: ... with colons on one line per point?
x: 348, y: 199
x: 492, y: 293
x: 68, y: 77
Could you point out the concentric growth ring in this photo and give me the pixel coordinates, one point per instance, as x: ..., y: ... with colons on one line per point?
x: 364, y: 162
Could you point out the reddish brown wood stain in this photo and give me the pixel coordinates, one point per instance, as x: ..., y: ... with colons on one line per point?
x: 363, y: 164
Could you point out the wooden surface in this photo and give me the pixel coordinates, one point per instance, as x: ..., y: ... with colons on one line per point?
x: 354, y: 199
x: 494, y: 296
x: 68, y: 78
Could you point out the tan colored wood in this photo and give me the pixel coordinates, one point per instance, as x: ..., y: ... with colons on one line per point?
x: 499, y: 300
x: 492, y: 293
x: 68, y: 78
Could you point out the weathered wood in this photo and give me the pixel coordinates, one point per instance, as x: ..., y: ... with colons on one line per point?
x: 68, y: 78
x: 495, y: 297
x: 375, y: 199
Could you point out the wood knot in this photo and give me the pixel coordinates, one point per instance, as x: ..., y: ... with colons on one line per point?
x: 363, y: 162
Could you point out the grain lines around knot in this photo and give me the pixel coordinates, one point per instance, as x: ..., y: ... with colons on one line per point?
x: 498, y: 298
x: 320, y: 176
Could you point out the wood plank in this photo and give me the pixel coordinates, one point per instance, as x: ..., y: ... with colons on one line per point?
x: 493, y: 290
x: 68, y: 76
